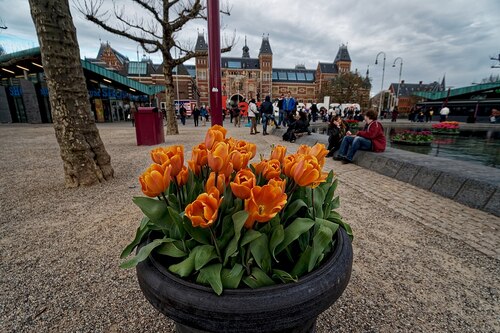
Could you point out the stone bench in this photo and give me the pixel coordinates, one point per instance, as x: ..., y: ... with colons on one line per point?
x: 474, y: 185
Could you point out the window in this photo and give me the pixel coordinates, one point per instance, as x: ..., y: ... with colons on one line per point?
x: 234, y: 64
x: 202, y: 75
x: 282, y: 75
x: 275, y: 75
x: 301, y: 76
x: 309, y: 76
x: 291, y: 76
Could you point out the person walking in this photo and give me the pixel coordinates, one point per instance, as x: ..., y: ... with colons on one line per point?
x: 394, y: 115
x: 182, y: 113
x: 443, y: 114
x: 204, y: 115
x: 235, y: 112
x: 370, y: 138
x: 281, y: 114
x: 288, y: 106
x: 252, y: 115
x: 266, y: 110
x: 196, y: 116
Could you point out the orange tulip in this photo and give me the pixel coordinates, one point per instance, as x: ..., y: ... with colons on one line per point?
x: 259, y: 167
x: 203, y: 211
x: 243, y: 183
x: 239, y: 160
x: 182, y: 177
x: 221, y: 182
x: 264, y: 203
x: 279, y: 183
x: 218, y: 157
x: 194, y: 167
x: 288, y: 162
x: 304, y: 149
x: 307, y: 171
x: 278, y: 153
x: 214, y: 135
x: 155, y: 180
x: 246, y: 147
x: 199, y: 154
x: 173, y: 155
x: 272, y: 169
x: 319, y: 151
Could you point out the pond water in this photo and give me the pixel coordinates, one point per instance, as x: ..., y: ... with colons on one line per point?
x: 478, y: 146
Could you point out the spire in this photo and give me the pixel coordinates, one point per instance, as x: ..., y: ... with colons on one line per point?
x: 201, y: 45
x: 342, y: 54
x: 367, y: 71
x: 443, y: 83
x: 246, y: 54
x: 265, y: 47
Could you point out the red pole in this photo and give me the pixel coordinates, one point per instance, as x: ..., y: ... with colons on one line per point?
x: 214, y: 80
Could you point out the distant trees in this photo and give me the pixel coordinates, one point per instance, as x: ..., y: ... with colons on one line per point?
x: 159, y: 33
x: 348, y: 88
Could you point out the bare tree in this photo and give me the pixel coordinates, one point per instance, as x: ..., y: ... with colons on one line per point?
x: 85, y: 159
x: 348, y: 88
x: 157, y: 34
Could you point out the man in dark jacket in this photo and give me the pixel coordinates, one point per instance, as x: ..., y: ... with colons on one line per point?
x: 370, y: 138
x: 267, y: 112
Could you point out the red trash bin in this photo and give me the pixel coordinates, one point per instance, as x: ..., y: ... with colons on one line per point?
x: 149, y: 126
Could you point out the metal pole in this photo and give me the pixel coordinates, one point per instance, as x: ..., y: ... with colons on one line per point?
x: 214, y: 61
x: 399, y: 81
x: 382, y: 84
x: 177, y: 84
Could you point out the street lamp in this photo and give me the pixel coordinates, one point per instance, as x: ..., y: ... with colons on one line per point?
x: 399, y: 80
x: 177, y: 80
x: 382, y: 85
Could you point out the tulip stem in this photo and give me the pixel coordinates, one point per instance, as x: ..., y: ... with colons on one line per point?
x: 313, y: 205
x: 164, y: 198
x: 216, y: 176
x: 212, y: 233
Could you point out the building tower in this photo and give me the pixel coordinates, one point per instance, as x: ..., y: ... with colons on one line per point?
x: 246, y: 53
x: 264, y: 87
x: 202, y: 70
x: 343, y: 60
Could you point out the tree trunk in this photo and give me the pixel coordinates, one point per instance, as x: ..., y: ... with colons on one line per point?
x: 85, y: 159
x: 172, y: 127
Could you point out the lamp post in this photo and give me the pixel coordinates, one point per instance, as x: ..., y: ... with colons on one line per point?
x: 382, y: 84
x: 399, y: 80
x: 177, y: 81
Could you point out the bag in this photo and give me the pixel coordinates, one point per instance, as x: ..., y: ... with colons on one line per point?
x: 289, y: 136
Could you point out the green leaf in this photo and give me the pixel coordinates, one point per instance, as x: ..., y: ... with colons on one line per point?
x: 227, y: 231
x: 335, y: 203
x: 155, y: 210
x: 285, y: 277
x: 201, y: 235
x: 176, y: 229
x: 277, y: 237
x: 139, y: 235
x: 142, y: 254
x: 331, y: 191
x: 239, y: 219
x: 249, y: 236
x: 301, y: 266
x: 293, y: 208
x: 231, y: 277
x: 258, y: 279
x: 319, y: 200
x: 212, y: 275
x: 260, y: 251
x: 347, y: 229
x: 172, y: 249
x: 322, y: 240
x: 185, y: 267
x: 293, y: 231
x: 328, y: 224
x: 144, y: 222
x: 203, y: 255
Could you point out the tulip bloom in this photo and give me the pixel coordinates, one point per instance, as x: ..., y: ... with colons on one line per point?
x: 239, y: 160
x: 304, y: 149
x: 288, y: 162
x: 214, y: 135
x: 319, y: 151
x: 199, y: 154
x: 221, y: 182
x: 194, y: 167
x: 203, y: 211
x: 259, y: 167
x: 155, y: 180
x: 307, y: 171
x: 279, y: 183
x: 243, y: 183
x: 264, y: 203
x: 173, y: 155
x: 218, y: 157
x: 246, y: 147
x: 278, y: 153
x: 182, y: 177
x: 272, y: 169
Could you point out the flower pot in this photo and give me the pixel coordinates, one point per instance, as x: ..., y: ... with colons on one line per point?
x: 291, y: 307
x: 412, y: 143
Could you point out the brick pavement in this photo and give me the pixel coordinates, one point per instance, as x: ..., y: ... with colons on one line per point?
x: 476, y: 228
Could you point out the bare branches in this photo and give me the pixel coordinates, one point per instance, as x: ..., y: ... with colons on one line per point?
x: 151, y: 9
x: 136, y: 24
x: 186, y: 14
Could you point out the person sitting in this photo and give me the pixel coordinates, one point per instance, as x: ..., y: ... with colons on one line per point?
x: 370, y: 138
x: 337, y: 129
x: 302, y: 125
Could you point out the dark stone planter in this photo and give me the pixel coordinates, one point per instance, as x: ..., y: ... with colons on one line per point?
x: 290, y: 308
x: 412, y: 143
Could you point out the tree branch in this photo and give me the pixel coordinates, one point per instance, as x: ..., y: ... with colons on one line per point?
x: 187, y: 14
x: 138, y: 26
x: 150, y: 9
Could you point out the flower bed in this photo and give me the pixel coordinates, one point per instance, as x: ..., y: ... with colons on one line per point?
x: 226, y: 223
x: 446, y: 127
x: 410, y: 137
x: 353, y: 124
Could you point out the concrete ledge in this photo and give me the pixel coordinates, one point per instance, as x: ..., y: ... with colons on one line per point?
x: 470, y: 184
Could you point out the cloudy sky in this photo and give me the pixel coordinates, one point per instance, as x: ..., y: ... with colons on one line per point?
x: 455, y: 38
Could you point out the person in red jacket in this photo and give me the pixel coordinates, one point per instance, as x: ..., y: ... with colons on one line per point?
x: 370, y: 138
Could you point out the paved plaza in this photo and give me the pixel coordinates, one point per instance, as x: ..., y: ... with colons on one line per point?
x: 422, y: 263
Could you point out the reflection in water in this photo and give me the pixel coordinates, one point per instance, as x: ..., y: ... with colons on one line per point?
x: 474, y: 146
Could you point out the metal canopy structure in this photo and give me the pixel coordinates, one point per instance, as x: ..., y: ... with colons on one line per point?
x: 438, y: 95
x: 30, y: 60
